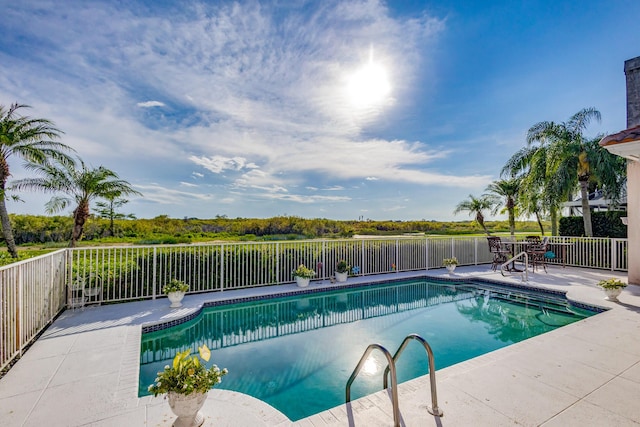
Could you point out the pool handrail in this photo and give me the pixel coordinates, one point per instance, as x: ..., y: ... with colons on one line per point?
x: 433, y: 409
x: 394, y: 381
x: 525, y: 275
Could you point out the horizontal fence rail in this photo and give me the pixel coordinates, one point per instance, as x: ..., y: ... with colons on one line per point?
x: 34, y: 291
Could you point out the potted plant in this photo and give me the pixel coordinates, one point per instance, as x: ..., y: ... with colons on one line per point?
x: 186, y: 383
x: 175, y: 290
x: 342, y: 271
x: 450, y: 263
x: 303, y: 275
x: 612, y: 287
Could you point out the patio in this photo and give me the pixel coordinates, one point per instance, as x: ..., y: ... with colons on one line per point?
x: 84, y: 370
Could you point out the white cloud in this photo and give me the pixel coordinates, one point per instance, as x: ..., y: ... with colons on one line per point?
x: 168, y: 196
x: 304, y: 199
x: 218, y: 164
x: 150, y: 104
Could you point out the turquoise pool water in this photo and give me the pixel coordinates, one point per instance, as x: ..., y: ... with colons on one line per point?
x: 297, y: 353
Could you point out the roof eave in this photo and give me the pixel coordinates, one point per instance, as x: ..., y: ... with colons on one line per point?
x: 624, y: 144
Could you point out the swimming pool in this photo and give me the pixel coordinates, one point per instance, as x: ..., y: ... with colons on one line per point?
x: 296, y: 353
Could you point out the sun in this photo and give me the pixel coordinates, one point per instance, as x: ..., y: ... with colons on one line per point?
x: 369, y: 86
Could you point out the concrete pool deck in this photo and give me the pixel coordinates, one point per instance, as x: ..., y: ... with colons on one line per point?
x: 83, y: 371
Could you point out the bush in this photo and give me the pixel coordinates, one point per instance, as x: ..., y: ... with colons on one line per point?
x: 604, y: 224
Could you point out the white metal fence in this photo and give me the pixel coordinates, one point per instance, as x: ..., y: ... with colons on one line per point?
x: 32, y: 294
x: 34, y: 291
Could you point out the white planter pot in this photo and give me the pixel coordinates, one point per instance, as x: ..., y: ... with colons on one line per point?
x: 186, y: 407
x: 341, y: 277
x: 612, y: 293
x: 175, y: 298
x: 302, y: 282
x: 450, y: 268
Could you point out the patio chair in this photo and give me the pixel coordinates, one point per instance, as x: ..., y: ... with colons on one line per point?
x: 536, y: 250
x: 500, y: 253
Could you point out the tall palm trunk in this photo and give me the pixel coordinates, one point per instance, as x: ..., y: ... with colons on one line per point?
x: 539, y: 220
x: 553, y: 213
x: 80, y: 216
x: 586, y: 210
x: 480, y: 220
x: 7, y: 232
x: 511, y: 206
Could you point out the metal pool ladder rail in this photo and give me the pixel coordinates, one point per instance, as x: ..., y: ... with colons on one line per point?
x: 391, y: 369
x: 434, y: 409
x: 525, y: 273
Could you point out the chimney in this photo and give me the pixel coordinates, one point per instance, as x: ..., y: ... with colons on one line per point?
x: 632, y: 71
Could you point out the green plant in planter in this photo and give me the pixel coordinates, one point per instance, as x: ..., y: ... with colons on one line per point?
x: 187, y: 375
x: 342, y: 267
x: 612, y: 283
x: 450, y: 261
x: 175, y: 285
x: 303, y: 272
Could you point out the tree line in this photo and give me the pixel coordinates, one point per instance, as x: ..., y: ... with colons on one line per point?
x: 43, y: 229
x: 557, y: 163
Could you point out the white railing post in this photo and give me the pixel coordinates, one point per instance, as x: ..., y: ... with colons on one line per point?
x: 475, y: 251
x: 324, y: 259
x: 20, y: 308
x: 222, y: 255
x: 453, y: 247
x: 154, y: 280
x: 278, y: 262
x: 426, y: 253
x: 612, y: 253
x: 362, y: 257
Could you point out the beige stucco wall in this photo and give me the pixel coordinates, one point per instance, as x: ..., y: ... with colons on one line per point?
x: 633, y: 229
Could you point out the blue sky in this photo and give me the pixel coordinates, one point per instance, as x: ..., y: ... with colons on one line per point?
x: 333, y: 109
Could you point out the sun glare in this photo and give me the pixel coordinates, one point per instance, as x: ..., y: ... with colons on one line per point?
x: 370, y: 366
x: 369, y: 85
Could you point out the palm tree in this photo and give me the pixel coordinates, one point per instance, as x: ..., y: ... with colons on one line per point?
x: 507, y: 189
x: 81, y: 185
x: 475, y: 206
x: 107, y: 209
x: 540, y: 191
x: 608, y: 171
x: 31, y: 140
x: 568, y: 157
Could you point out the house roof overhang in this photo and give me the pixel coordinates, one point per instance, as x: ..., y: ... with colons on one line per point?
x: 624, y: 144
